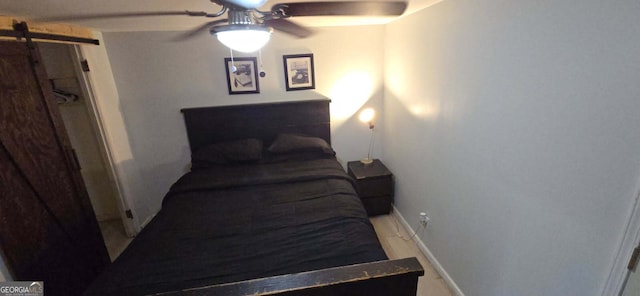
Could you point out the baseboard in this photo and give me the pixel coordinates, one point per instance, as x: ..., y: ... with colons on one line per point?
x: 423, y: 248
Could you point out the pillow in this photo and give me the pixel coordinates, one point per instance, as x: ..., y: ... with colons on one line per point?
x: 232, y: 152
x: 294, y: 156
x: 287, y: 143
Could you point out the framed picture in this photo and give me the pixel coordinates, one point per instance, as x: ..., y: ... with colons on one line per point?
x: 298, y: 72
x: 242, y: 77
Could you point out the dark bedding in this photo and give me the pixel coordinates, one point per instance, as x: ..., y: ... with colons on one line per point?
x: 233, y: 223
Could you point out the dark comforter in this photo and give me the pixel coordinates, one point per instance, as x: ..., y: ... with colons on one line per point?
x: 236, y: 223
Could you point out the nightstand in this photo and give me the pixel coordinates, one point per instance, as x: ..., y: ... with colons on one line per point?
x: 374, y: 183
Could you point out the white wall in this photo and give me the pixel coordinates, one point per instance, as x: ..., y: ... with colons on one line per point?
x: 156, y: 77
x: 514, y: 124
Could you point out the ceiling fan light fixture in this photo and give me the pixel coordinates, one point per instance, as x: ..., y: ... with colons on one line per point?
x: 247, y: 3
x: 242, y: 38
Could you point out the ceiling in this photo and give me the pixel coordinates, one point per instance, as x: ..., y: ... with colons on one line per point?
x: 51, y: 8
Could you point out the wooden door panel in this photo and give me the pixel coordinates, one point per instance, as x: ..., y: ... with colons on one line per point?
x: 28, y: 136
x: 40, y: 247
x: 48, y: 230
x: 19, y: 205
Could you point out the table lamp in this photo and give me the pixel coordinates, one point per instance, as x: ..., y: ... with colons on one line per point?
x: 367, y: 116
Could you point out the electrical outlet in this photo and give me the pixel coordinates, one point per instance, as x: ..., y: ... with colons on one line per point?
x: 424, y: 219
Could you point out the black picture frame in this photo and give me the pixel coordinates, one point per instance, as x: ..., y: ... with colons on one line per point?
x: 299, y: 72
x: 244, y: 80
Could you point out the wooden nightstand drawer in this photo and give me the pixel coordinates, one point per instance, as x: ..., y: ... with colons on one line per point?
x: 375, y: 186
x: 374, y: 183
x: 379, y: 205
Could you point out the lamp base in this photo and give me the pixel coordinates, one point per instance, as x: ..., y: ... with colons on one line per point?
x: 366, y: 161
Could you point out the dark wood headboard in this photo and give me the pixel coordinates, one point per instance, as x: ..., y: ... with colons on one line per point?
x: 210, y: 125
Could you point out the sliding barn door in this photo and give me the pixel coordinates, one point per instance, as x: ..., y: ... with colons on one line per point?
x: 48, y: 230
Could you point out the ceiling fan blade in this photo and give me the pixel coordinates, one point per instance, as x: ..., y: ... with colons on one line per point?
x: 289, y: 27
x: 341, y: 8
x: 120, y: 15
x: 198, y: 30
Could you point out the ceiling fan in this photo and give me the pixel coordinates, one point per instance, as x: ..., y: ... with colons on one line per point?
x: 248, y: 29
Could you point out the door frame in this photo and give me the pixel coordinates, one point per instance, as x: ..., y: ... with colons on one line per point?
x: 619, y: 273
x: 106, y: 151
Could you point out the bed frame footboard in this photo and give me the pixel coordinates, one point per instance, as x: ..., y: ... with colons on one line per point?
x: 391, y: 277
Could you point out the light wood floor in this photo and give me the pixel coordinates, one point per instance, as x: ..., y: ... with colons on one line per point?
x: 431, y: 283
x: 114, y: 237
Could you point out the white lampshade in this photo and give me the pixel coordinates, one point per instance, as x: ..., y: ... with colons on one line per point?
x: 367, y: 115
x: 245, y: 40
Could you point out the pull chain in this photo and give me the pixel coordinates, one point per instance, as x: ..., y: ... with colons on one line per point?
x: 233, y: 65
x: 262, y: 73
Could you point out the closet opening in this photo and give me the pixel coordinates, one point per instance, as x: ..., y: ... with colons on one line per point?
x: 73, y: 97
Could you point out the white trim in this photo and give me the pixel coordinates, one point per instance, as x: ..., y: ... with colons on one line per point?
x: 619, y: 272
x: 427, y: 253
x: 105, y: 148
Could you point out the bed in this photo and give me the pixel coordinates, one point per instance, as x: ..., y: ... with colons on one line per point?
x: 266, y: 210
